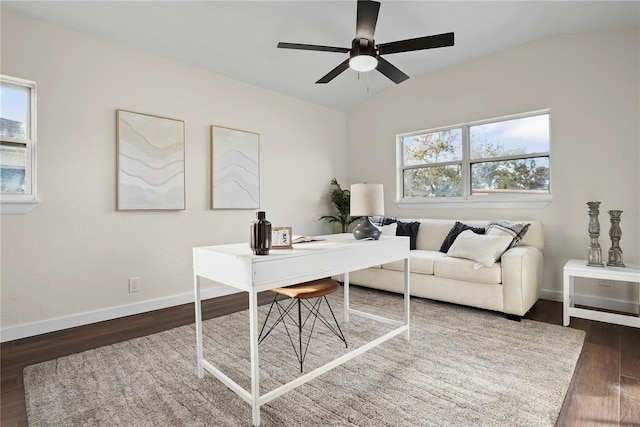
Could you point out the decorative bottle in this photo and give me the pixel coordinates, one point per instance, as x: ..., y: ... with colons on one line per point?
x: 260, y: 239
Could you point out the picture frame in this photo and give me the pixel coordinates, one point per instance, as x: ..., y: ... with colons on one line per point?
x: 281, y: 238
x: 150, y: 162
x: 235, y: 169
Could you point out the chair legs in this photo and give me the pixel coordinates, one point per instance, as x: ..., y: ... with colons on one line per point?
x: 313, y: 313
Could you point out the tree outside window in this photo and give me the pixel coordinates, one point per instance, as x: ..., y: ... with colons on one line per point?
x: 500, y: 158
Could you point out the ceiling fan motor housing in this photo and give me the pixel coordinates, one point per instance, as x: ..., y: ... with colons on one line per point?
x: 362, y: 47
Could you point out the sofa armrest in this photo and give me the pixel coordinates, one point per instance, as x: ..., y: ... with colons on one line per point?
x: 521, y: 279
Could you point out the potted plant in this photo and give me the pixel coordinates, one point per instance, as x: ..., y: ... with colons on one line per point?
x: 341, y: 199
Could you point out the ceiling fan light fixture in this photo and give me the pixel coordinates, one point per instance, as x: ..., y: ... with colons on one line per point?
x: 363, y: 63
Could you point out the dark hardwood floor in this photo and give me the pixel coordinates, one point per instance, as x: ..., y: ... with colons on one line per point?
x: 605, y: 390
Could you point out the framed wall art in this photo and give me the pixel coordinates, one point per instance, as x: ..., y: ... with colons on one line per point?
x: 235, y: 169
x: 150, y: 162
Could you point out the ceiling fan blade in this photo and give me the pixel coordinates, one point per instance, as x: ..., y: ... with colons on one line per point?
x: 389, y: 70
x: 428, y: 42
x: 283, y: 45
x: 367, y: 16
x: 335, y: 72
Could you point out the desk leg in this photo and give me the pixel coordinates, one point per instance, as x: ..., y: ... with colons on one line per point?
x: 198, y: 305
x: 567, y: 284
x: 255, y: 363
x: 407, y: 296
x: 346, y: 297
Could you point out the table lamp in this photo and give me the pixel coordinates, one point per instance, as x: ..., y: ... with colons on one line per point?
x: 366, y: 200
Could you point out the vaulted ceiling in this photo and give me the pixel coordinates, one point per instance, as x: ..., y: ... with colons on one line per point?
x: 238, y: 39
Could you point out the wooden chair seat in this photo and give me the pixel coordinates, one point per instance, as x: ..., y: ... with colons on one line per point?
x: 298, y: 295
x: 314, y: 289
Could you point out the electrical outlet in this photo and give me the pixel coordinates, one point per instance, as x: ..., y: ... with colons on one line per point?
x: 605, y: 283
x: 134, y: 284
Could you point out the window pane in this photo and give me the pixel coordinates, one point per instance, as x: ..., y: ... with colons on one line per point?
x: 443, y: 146
x: 514, y: 176
x: 14, y: 111
x: 436, y: 181
x: 13, y: 161
x: 510, y: 137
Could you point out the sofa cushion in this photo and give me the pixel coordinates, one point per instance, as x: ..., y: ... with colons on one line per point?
x: 463, y: 269
x: 483, y: 249
x: 419, y: 262
x: 408, y: 229
x: 515, y: 230
x: 458, y: 228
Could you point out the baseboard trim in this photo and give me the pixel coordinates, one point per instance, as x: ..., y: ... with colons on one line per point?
x: 28, y: 330
x: 58, y: 324
x: 592, y: 301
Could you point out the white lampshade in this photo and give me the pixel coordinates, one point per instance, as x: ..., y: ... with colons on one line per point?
x: 367, y: 199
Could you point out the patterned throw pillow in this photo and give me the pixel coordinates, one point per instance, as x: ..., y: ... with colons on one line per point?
x: 380, y: 220
x: 409, y: 229
x: 515, y: 230
x: 458, y: 228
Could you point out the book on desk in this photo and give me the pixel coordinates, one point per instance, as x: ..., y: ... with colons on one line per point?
x: 305, y: 239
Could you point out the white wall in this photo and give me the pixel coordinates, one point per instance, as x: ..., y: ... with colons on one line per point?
x: 69, y: 260
x: 591, y: 84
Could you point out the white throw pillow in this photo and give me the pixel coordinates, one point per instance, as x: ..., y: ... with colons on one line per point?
x: 389, y: 230
x: 483, y: 249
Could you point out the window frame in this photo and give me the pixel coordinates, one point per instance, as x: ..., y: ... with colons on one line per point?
x: 468, y: 200
x: 23, y: 203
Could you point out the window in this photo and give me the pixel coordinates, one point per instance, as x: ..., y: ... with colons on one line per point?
x: 498, y: 160
x: 17, y: 143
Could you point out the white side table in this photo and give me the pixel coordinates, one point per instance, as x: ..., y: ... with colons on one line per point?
x: 578, y: 268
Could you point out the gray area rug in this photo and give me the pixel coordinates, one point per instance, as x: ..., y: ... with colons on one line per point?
x: 462, y: 367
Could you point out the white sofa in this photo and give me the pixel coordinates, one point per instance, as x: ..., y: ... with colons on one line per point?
x: 511, y: 285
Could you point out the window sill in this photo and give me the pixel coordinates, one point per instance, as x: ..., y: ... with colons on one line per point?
x: 17, y: 208
x: 483, y: 203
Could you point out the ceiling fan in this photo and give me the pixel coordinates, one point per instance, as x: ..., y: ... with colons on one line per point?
x: 364, y: 54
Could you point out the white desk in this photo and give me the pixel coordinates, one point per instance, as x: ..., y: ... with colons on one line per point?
x: 578, y: 268
x: 235, y: 266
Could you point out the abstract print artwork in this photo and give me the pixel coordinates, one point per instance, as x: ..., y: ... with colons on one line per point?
x: 151, y: 159
x: 235, y: 169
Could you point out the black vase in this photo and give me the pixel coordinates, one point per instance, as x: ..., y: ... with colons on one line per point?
x: 260, y: 239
